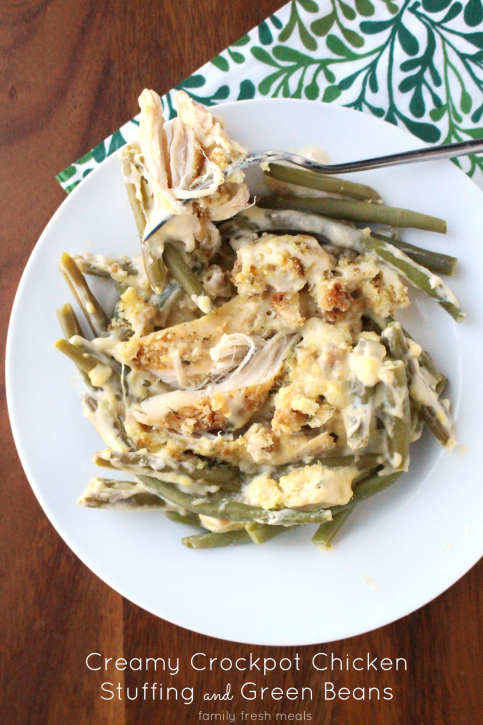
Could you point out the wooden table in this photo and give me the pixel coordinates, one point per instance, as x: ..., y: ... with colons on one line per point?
x: 71, y: 71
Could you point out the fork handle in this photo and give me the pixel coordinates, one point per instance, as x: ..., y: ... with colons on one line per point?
x: 430, y: 153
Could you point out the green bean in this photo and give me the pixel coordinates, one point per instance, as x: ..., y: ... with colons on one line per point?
x: 171, y: 290
x: 313, y: 180
x: 441, y: 385
x: 180, y: 271
x: 255, y: 219
x: 106, y: 423
x: 370, y: 325
x: 369, y: 486
x: 417, y: 424
x: 186, y: 519
x: 260, y: 533
x: 434, y: 261
x: 94, y: 314
x: 335, y: 461
x: 85, y: 362
x: 70, y: 327
x: 111, y: 493
x: 88, y: 347
x: 89, y: 265
x: 425, y: 360
x: 105, y: 376
x: 326, y: 531
x: 361, y: 461
x: 397, y: 418
x: 435, y: 413
x: 417, y: 275
x: 231, y: 486
x: 153, y: 266
x: 89, y: 268
x: 219, y: 473
x: 359, y: 415
x: 104, y: 463
x: 222, y: 475
x: 68, y: 321
x: 356, y: 211
x: 231, y: 510
x: 435, y: 425
x: 144, y: 500
x: 133, y: 200
x: 215, y: 541
x: 113, y: 380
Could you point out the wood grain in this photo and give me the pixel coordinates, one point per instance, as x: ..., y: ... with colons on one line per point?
x: 70, y: 74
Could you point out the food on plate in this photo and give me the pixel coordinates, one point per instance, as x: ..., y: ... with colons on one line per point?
x: 252, y: 376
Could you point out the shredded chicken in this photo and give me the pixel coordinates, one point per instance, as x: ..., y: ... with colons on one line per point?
x: 231, y: 402
x: 166, y: 172
x: 194, y: 340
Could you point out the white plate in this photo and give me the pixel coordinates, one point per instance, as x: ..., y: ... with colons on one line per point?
x: 396, y: 552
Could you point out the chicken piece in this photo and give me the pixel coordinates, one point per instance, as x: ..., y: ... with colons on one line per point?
x: 229, y: 403
x: 186, y: 155
x: 189, y: 159
x: 180, y: 411
x: 209, y: 132
x: 191, y: 413
x: 190, y: 342
x: 225, y: 202
x: 154, y: 163
x: 199, y: 151
x: 258, y: 446
x: 153, y: 139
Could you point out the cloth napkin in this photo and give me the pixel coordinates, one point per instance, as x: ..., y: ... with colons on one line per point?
x: 418, y: 65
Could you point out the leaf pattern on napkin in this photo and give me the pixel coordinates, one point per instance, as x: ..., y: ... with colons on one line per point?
x: 415, y: 64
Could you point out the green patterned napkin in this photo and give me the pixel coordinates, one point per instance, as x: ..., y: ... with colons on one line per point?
x: 416, y: 64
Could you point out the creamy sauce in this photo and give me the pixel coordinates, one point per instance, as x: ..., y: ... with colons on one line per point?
x: 316, y: 153
x: 304, y: 486
x: 203, y: 302
x: 100, y: 375
x: 366, y: 362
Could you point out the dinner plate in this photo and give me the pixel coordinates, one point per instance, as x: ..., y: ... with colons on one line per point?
x: 396, y: 552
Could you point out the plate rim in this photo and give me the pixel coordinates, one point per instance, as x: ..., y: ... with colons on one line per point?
x: 15, y: 426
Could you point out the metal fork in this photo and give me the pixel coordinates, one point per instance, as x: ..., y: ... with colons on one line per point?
x: 431, y: 153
